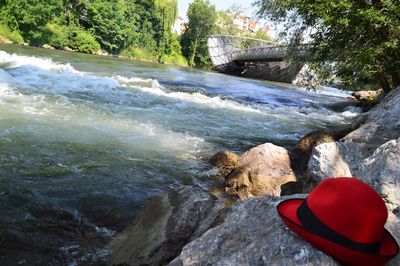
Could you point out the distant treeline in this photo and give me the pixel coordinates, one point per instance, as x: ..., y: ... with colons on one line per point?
x: 140, y: 29
x: 135, y: 28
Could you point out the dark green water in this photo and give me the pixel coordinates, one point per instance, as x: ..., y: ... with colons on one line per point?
x: 86, y: 140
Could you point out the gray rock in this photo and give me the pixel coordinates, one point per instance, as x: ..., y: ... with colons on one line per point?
x: 263, y: 170
x: 327, y: 160
x: 301, y: 152
x: 164, y: 226
x: 252, y: 234
x: 393, y: 226
x: 382, y: 171
x: 46, y: 46
x: 66, y: 48
x: 382, y: 124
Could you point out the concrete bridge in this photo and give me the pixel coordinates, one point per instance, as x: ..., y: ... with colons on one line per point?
x: 252, y: 58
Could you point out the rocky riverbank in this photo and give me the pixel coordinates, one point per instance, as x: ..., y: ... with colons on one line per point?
x: 188, y: 226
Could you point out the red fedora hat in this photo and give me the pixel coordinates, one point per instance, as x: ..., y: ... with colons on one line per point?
x: 345, y: 218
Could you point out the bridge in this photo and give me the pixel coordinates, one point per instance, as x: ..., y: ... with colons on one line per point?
x: 252, y: 58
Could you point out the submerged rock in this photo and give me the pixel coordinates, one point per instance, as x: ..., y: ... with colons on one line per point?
x: 164, y: 226
x: 252, y: 234
x: 264, y: 169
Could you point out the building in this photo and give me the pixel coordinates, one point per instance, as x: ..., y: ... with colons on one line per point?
x: 179, y: 26
x: 248, y: 24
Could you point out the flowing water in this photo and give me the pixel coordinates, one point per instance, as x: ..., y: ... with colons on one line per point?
x: 86, y: 140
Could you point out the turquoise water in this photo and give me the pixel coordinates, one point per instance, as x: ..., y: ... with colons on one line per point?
x: 86, y: 140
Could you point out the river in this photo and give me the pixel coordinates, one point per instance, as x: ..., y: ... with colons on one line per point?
x: 85, y: 140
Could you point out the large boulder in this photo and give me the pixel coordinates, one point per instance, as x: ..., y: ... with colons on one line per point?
x: 252, y: 234
x: 381, y: 125
x: 164, y: 226
x: 263, y: 170
x: 382, y: 171
x: 301, y: 152
x: 327, y: 160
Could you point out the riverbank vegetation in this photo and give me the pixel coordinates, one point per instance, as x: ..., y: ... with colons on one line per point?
x: 140, y: 29
x: 357, y: 41
x: 135, y: 29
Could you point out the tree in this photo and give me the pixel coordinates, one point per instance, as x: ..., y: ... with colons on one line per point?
x: 167, y: 11
x: 201, y: 15
x: 107, y: 20
x: 357, y: 40
x: 225, y: 25
x: 129, y: 27
x: 30, y: 17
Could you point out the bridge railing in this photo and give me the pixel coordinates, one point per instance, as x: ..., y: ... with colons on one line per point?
x: 242, y: 42
x: 225, y: 49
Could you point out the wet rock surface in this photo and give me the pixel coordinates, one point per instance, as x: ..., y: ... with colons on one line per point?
x: 164, y: 226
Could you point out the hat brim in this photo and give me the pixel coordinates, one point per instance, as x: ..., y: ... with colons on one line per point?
x: 388, y: 249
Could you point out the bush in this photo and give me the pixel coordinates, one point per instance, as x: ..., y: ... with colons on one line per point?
x: 176, y: 59
x: 57, y: 35
x: 173, y: 53
x: 83, y: 41
x: 13, y: 36
x: 138, y: 53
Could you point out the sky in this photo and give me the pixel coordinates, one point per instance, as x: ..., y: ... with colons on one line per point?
x: 219, y: 5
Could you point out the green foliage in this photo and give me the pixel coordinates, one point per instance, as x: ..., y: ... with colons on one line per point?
x: 74, y: 37
x: 83, y: 41
x: 202, y: 18
x: 7, y: 34
x: 137, y: 28
x: 358, y: 41
x: 106, y: 19
x: 58, y: 35
x: 139, y: 53
x: 225, y: 25
x: 30, y: 17
x: 263, y: 35
x: 173, y: 55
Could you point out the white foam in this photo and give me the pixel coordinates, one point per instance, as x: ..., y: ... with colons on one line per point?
x: 153, y: 87
x: 14, y: 60
x: 27, y: 82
